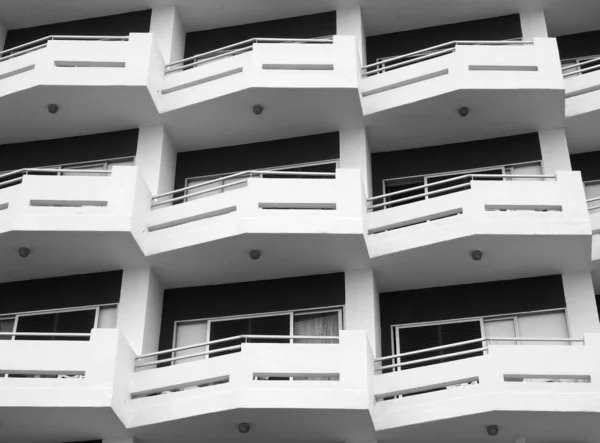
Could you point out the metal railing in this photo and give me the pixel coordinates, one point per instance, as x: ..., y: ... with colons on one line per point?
x: 243, y: 176
x: 236, y: 347
x: 461, y: 186
x: 591, y: 63
x: 43, y: 42
x: 592, y: 200
x: 5, y: 179
x: 46, y: 334
x: 485, y: 341
x: 236, y: 49
x: 432, y: 52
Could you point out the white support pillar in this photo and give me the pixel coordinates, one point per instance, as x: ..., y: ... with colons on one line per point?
x: 362, y: 306
x: 582, y: 312
x: 533, y: 24
x: 168, y: 31
x: 555, y: 151
x: 355, y: 154
x: 349, y: 22
x: 3, y: 32
x: 140, y: 309
x: 156, y: 159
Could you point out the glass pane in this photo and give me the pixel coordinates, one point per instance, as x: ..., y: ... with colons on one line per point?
x: 500, y: 328
x: 535, y: 169
x: 322, y: 324
x: 7, y: 325
x: 190, y: 334
x: 107, y: 317
x: 61, y: 322
x: 550, y: 325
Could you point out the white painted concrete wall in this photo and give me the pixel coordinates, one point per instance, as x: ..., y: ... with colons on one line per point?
x: 555, y: 151
x: 355, y: 154
x: 350, y: 22
x: 168, y: 31
x: 582, y: 313
x: 156, y: 159
x: 533, y: 24
x: 140, y: 309
x: 362, y: 306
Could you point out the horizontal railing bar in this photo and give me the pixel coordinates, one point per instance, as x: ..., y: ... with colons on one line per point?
x: 416, y: 197
x: 23, y: 172
x: 194, y: 194
x: 12, y: 180
x: 461, y: 177
x: 453, y: 42
x: 585, y: 62
x: 251, y: 41
x: 534, y: 339
x: 591, y: 208
x: 45, y: 334
x: 583, y: 71
x: 23, y: 52
x: 592, y: 199
x: 203, y: 61
x: 251, y: 172
x: 65, y: 37
x: 410, y: 61
x: 238, y: 337
x: 428, y: 359
x: 184, y: 357
x: 437, y: 348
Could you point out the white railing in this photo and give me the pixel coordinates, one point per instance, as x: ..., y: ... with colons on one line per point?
x: 592, y: 200
x: 214, y: 185
x: 236, y: 49
x: 6, y: 180
x: 580, y: 65
x: 47, y: 334
x: 446, y: 189
x: 399, y: 61
x: 232, y: 348
x: 43, y: 42
x: 485, y: 342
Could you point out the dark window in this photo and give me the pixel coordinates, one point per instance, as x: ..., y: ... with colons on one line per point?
x: 61, y: 322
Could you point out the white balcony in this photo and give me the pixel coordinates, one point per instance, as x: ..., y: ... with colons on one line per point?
x: 286, y: 391
x: 311, y: 223
x: 100, y: 84
x: 545, y: 391
x: 582, y: 81
x: 306, y: 86
x: 524, y: 225
x: 509, y: 87
x: 73, y: 221
x: 61, y: 390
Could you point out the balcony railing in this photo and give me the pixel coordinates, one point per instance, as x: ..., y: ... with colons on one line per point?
x: 241, y: 178
x: 43, y: 42
x: 16, y: 177
x: 485, y: 342
x: 395, y: 198
x: 399, y: 61
x: 236, y: 49
x: 227, y: 349
x: 580, y: 65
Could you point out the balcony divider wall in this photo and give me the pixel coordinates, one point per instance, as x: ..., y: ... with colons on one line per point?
x: 454, y: 157
x: 307, y: 26
x: 112, y: 25
x: 404, y: 42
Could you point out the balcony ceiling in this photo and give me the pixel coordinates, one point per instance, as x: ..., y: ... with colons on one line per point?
x: 380, y: 16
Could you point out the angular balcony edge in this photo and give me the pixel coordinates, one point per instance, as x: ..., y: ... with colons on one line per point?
x: 522, y: 206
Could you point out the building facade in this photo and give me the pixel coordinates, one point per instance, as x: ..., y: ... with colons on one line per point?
x: 355, y: 221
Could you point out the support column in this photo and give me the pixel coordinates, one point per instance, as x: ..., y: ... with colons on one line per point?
x: 582, y: 312
x: 355, y: 154
x: 3, y: 32
x: 140, y: 309
x: 349, y: 22
x: 555, y: 151
x: 167, y: 28
x: 156, y: 159
x: 533, y: 24
x: 362, y: 306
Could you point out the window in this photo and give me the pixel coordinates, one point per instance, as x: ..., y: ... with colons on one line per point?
x: 435, y: 185
x: 321, y: 323
x: 547, y: 324
x: 75, y: 320
x: 218, y: 183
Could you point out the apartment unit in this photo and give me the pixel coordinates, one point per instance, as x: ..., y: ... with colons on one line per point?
x: 354, y: 221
